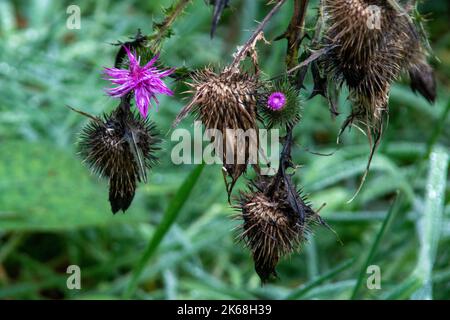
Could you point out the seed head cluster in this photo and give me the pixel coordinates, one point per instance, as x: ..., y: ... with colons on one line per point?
x: 368, y: 44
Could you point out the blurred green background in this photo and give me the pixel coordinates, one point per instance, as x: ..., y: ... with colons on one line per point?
x: 54, y: 213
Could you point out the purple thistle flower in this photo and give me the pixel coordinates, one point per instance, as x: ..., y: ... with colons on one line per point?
x: 277, y: 100
x: 145, y: 81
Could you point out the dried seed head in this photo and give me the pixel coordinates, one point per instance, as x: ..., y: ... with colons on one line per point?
x: 364, y: 58
x: 286, y: 115
x: 226, y: 101
x: 271, y: 228
x: 120, y: 146
x: 371, y: 45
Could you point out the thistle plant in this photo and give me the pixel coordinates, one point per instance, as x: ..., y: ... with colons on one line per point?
x: 120, y: 145
x: 276, y: 218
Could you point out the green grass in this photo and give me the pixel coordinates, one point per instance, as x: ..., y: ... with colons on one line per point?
x: 373, y: 249
x: 177, y: 239
x: 167, y: 221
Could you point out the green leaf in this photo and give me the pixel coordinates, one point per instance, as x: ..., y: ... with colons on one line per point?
x: 429, y: 225
x: 335, y: 290
x: 384, y: 227
x: 303, y: 289
x: 404, y: 290
x: 319, y: 177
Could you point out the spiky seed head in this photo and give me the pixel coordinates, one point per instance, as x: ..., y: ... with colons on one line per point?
x: 289, y: 114
x: 368, y: 58
x: 222, y: 101
x: 371, y: 42
x: 119, y: 146
x: 271, y: 229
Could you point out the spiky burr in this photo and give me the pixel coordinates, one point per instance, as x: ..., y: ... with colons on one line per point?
x: 271, y: 228
x: 119, y: 146
x: 226, y: 102
x: 371, y: 45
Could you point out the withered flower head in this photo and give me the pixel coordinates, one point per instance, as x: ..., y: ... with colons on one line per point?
x: 226, y: 101
x: 271, y: 228
x: 372, y: 43
x: 119, y: 146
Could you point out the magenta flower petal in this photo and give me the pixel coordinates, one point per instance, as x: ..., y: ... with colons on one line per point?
x: 277, y: 100
x: 121, y: 90
x: 151, y: 62
x: 166, y: 73
x: 146, y: 81
x: 142, y: 98
x: 133, y: 61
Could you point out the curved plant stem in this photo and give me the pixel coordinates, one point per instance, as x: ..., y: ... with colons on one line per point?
x: 240, y: 55
x: 295, y: 31
x: 162, y: 28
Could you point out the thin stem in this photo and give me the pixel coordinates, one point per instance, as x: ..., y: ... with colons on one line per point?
x: 314, y: 56
x: 168, y: 21
x: 240, y: 55
x: 294, y: 32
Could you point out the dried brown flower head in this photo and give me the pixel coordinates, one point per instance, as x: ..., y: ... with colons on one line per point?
x: 372, y: 44
x: 271, y: 228
x: 226, y: 101
x: 119, y: 146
